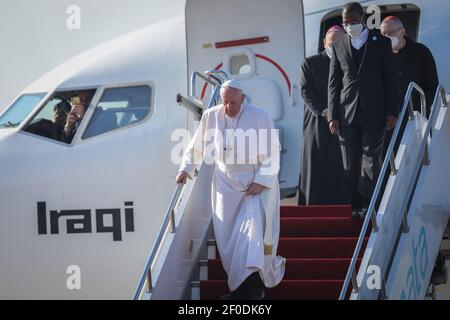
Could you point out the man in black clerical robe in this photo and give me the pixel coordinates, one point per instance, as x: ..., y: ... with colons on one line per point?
x: 322, y: 179
x: 413, y: 61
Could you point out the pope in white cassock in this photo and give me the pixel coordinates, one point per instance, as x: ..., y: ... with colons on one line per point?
x: 241, y: 140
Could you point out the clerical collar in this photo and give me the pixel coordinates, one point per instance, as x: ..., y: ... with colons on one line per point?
x: 359, y: 41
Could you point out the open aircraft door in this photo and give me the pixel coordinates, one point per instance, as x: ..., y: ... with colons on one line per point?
x: 261, y: 43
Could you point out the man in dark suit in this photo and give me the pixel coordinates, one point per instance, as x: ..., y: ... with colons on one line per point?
x: 322, y: 178
x: 362, y: 102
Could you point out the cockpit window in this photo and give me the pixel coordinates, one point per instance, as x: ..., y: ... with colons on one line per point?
x: 61, y: 116
x: 20, y: 109
x: 118, y: 108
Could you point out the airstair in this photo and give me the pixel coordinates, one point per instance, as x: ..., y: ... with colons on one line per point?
x: 409, y: 227
x: 397, y: 252
x: 317, y: 241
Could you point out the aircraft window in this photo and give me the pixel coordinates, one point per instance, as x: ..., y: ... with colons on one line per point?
x: 409, y: 14
x: 240, y: 65
x: 20, y: 109
x: 61, y: 116
x: 118, y: 108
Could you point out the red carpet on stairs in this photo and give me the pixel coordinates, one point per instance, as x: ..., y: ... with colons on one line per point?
x: 318, y: 243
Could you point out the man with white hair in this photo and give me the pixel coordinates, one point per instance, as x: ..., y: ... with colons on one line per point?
x: 413, y: 62
x: 245, y: 190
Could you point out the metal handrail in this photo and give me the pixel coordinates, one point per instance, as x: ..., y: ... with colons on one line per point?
x: 216, y: 91
x: 212, y: 101
x: 218, y: 73
x: 388, y: 161
x: 210, y: 79
x: 193, y: 106
x: 423, y: 154
x: 215, y: 78
x: 146, y: 277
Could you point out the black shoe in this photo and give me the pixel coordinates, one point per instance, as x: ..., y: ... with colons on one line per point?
x: 261, y: 295
x: 252, y: 288
x: 238, y: 294
x: 356, y: 213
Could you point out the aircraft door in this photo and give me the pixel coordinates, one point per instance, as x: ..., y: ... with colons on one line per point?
x: 261, y: 43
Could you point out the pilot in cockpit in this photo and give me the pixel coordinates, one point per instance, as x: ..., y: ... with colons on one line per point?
x: 52, y: 128
x: 79, y: 104
x: 60, y: 113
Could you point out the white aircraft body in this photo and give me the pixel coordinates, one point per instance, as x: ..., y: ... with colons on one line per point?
x: 89, y: 208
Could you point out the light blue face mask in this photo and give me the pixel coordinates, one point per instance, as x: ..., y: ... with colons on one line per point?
x: 354, y: 30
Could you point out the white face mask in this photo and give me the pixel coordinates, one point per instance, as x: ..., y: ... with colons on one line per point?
x: 394, y: 41
x: 329, y: 51
x: 354, y: 30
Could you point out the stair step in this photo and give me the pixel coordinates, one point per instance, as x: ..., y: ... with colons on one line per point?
x: 315, y: 211
x: 211, y: 243
x: 195, y: 290
x: 297, y: 269
x: 286, y: 290
x: 317, y: 242
x: 316, y: 247
x: 320, y: 227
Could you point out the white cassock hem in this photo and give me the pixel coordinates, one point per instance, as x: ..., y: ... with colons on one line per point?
x: 239, y: 224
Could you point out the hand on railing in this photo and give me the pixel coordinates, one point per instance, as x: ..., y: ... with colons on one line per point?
x: 182, y: 177
x: 168, y: 225
x: 390, y: 122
